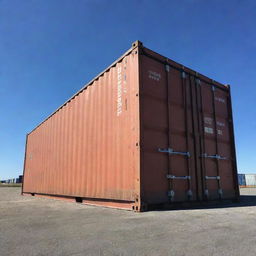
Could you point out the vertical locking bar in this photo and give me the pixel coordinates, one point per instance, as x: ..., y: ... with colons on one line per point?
x: 216, y: 140
x: 196, y: 138
x: 200, y: 108
x: 185, y: 106
x: 170, y: 182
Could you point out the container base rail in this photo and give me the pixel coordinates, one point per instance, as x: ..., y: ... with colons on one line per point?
x: 131, y: 205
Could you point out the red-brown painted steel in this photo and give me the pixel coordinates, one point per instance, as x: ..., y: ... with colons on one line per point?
x: 167, y: 123
x: 188, y: 116
x: 146, y: 131
x: 89, y: 147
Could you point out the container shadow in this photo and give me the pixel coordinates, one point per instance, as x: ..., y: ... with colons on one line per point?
x: 244, y: 201
x: 247, y: 200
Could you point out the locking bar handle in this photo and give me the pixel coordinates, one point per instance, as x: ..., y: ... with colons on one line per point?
x: 212, y: 177
x: 170, y: 176
x: 218, y: 157
x: 172, y: 152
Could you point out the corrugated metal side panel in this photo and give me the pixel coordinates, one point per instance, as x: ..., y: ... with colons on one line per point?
x: 88, y: 147
x: 250, y: 179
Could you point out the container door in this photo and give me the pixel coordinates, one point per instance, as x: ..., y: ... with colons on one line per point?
x: 181, y: 171
x: 217, y: 157
x: 168, y: 152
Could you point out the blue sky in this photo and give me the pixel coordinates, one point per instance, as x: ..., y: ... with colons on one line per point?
x: 50, y: 48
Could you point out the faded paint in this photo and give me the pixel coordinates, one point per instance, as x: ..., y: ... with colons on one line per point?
x: 85, y: 149
x: 103, y: 145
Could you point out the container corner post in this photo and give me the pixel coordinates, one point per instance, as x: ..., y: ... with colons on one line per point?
x: 137, y: 43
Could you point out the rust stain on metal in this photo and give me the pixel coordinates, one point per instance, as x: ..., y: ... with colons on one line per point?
x: 146, y: 131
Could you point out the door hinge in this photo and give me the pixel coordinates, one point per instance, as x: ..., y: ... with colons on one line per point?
x: 171, y: 193
x: 190, y: 193
x: 198, y: 82
x: 172, y: 152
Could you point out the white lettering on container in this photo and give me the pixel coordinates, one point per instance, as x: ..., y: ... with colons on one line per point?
x: 208, y: 130
x: 220, y: 124
x: 220, y: 99
x: 208, y: 120
x: 220, y: 132
x: 119, y: 91
x: 154, y: 75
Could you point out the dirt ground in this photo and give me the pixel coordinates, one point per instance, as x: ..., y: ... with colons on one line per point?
x: 37, y: 226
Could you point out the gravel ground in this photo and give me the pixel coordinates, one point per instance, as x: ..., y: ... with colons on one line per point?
x: 37, y: 226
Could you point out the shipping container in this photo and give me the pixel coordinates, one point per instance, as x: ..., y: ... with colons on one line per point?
x: 20, y: 179
x: 250, y: 180
x: 145, y: 132
x: 241, y: 180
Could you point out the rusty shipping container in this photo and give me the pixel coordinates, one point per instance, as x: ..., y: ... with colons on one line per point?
x: 146, y: 131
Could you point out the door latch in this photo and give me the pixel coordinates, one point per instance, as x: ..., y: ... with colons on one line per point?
x: 170, y: 151
x: 218, y: 157
x: 212, y: 177
x: 170, y: 176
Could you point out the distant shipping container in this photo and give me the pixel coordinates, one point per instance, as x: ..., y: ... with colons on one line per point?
x: 146, y: 131
x: 20, y: 179
x: 241, y: 179
x: 250, y: 180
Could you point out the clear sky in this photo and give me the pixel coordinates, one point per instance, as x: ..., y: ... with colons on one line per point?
x: 50, y: 48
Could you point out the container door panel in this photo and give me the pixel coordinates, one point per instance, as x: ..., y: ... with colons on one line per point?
x: 216, y: 153
x: 154, y: 129
x: 182, y: 176
x: 168, y: 172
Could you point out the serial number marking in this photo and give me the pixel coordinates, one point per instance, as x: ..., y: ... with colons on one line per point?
x: 220, y: 124
x: 220, y: 99
x: 220, y: 132
x: 208, y: 130
x: 154, y: 75
x: 208, y: 120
